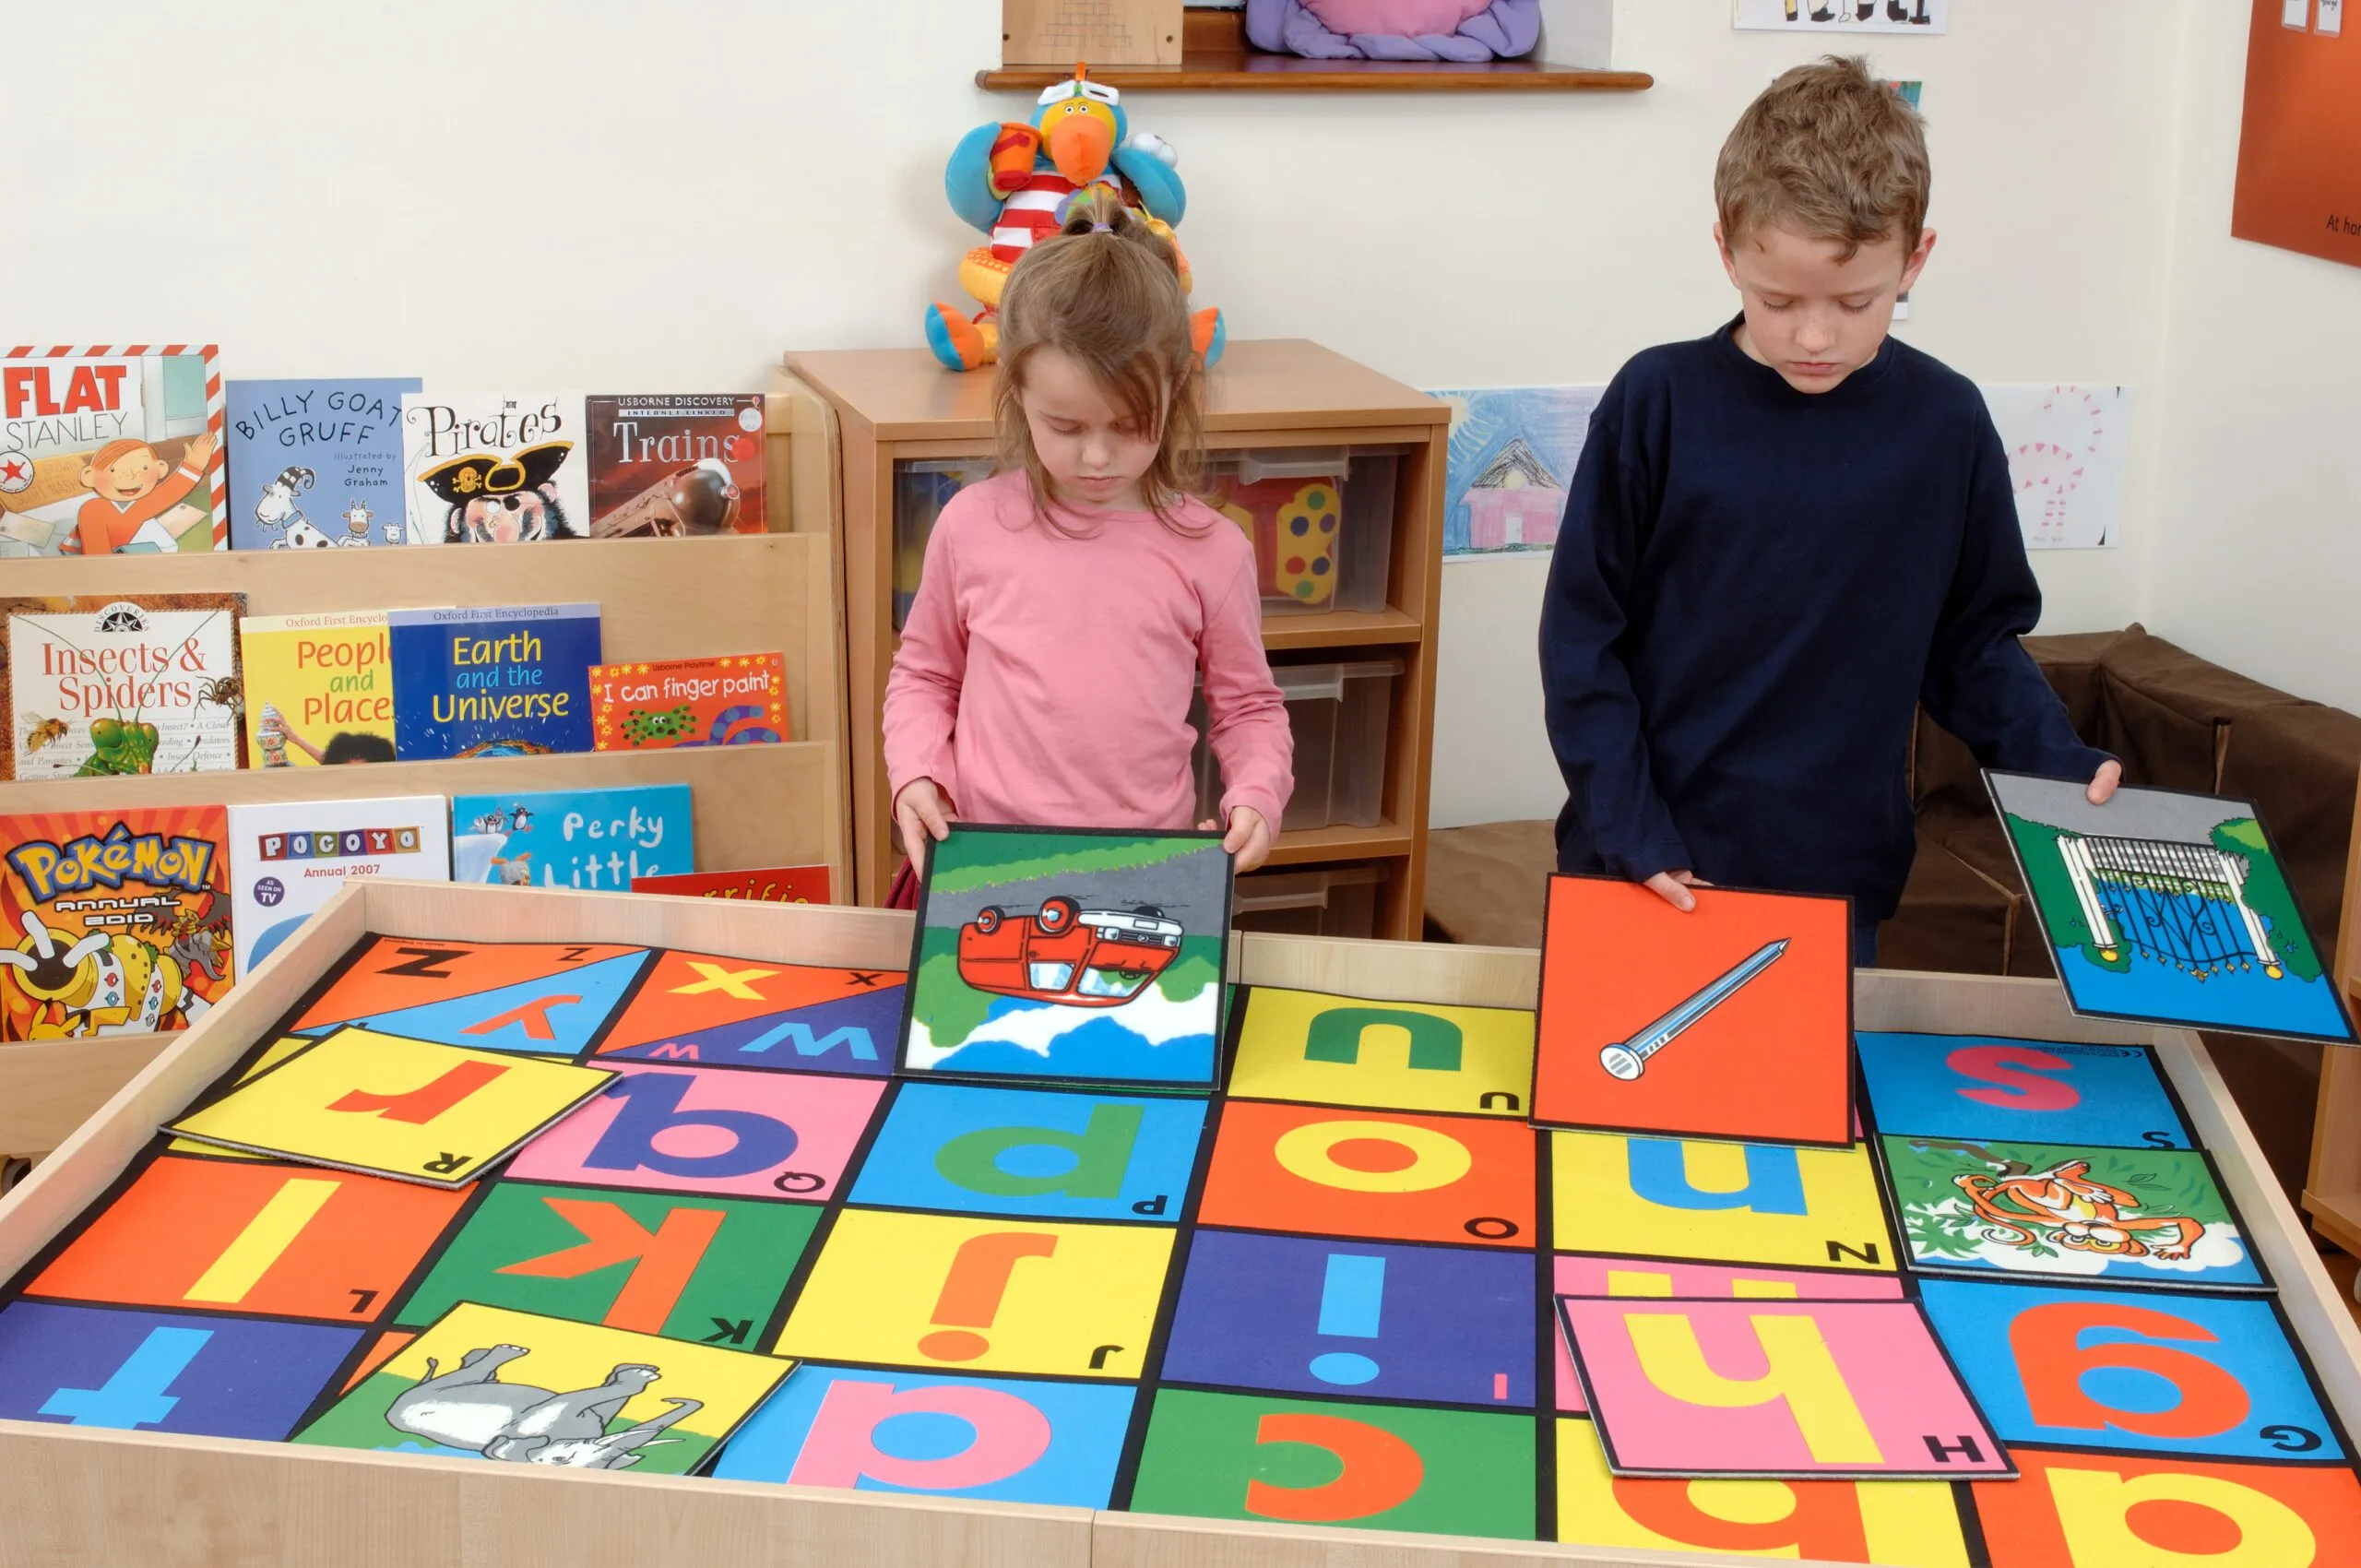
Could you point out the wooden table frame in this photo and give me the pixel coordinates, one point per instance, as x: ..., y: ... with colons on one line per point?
x: 78, y: 1496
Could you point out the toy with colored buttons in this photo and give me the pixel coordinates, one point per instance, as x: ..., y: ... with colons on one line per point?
x: 1293, y: 523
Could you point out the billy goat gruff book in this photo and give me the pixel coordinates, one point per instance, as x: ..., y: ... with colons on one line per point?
x: 122, y: 920
x: 95, y: 685
x: 734, y: 700
x: 111, y: 450
x: 316, y: 464
x: 319, y: 688
x: 494, y: 468
x: 674, y: 466
x: 492, y: 680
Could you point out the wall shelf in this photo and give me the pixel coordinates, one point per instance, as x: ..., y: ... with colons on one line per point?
x: 1216, y: 57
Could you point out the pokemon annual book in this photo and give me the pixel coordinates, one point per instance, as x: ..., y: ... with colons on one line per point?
x: 319, y: 688
x: 597, y: 840
x: 675, y: 466
x: 112, y: 449
x: 734, y: 700
x: 494, y: 468
x: 317, y: 463
x: 289, y: 857
x: 94, y: 685
x: 492, y: 680
x: 115, y: 920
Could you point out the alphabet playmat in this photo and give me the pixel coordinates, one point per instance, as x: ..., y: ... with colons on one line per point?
x: 2016, y: 1322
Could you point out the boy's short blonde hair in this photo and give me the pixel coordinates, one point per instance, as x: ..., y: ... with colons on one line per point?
x: 1828, y: 152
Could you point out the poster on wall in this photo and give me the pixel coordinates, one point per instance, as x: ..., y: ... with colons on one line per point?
x: 1513, y: 455
x: 2065, y: 446
x: 2299, y: 186
x: 1843, y: 15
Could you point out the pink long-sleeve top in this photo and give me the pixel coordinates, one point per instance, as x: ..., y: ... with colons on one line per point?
x: 1046, y: 680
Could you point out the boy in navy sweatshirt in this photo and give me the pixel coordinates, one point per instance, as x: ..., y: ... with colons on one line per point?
x: 1783, y: 538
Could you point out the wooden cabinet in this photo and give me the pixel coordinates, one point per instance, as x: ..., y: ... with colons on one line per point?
x: 2333, y: 1191
x: 896, y: 407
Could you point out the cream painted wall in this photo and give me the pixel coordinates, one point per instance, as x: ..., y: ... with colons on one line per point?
x: 2258, y: 548
x: 611, y: 193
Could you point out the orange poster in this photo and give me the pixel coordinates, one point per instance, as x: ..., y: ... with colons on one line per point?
x: 2299, y: 184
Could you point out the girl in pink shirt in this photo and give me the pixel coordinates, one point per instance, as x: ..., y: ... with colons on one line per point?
x: 1070, y: 603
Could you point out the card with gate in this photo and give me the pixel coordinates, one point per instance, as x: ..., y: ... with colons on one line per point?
x: 2166, y: 906
x: 383, y: 1105
x: 1069, y: 956
x: 1733, y: 1020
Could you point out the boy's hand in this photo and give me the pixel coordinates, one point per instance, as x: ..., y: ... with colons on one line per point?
x: 1673, y: 887
x: 924, y: 817
x: 2104, y: 782
x: 1249, y: 841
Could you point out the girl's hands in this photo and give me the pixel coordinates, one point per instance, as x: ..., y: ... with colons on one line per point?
x: 924, y: 817
x: 2104, y: 782
x: 1249, y: 841
x: 1673, y: 887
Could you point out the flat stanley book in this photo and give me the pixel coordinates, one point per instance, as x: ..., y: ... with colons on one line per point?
x: 111, y: 450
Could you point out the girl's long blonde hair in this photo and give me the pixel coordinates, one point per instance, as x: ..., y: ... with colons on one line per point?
x: 1106, y: 292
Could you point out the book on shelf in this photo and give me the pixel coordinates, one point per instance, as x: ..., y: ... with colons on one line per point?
x: 316, y: 464
x: 674, y: 466
x: 319, y: 688
x: 96, y: 685
x: 590, y: 839
x: 289, y: 857
x: 731, y: 700
x: 121, y: 918
x: 110, y: 449
x: 494, y: 468
x: 768, y: 884
x: 492, y: 680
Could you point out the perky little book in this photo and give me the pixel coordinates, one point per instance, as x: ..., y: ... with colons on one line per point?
x: 672, y: 465
x: 288, y: 859
x: 731, y: 701
x: 319, y: 688
x: 120, y: 920
x: 583, y: 838
x: 769, y: 884
x: 494, y: 468
x: 317, y: 463
x: 106, y: 450
x: 95, y: 685
x: 492, y: 680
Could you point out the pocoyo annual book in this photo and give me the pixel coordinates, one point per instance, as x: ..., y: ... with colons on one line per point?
x: 316, y: 464
x: 120, y: 919
x: 494, y: 468
x: 288, y: 857
x: 111, y: 450
x: 492, y: 680
x: 95, y: 685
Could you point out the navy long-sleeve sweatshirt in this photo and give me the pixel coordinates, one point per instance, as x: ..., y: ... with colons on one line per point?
x: 1753, y: 589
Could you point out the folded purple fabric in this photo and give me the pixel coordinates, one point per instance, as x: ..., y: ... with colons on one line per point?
x: 1504, y: 29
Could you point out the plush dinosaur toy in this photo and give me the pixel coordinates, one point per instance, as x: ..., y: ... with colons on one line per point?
x: 1015, y: 182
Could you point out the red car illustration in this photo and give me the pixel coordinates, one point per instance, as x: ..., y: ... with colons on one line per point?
x: 1081, y: 957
